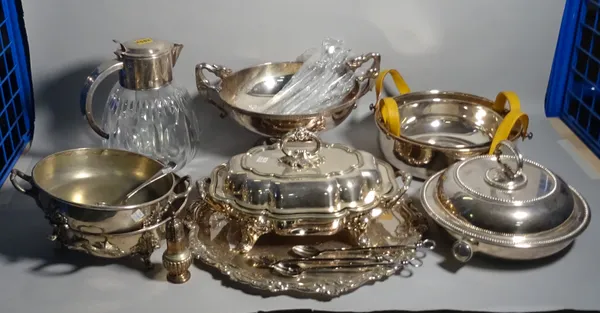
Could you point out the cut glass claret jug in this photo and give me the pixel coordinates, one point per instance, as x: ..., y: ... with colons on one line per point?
x: 146, y: 111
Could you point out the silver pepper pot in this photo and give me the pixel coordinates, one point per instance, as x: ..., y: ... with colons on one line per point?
x: 177, y: 258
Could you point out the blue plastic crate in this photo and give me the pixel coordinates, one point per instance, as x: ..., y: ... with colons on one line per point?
x: 574, y: 88
x: 17, y: 113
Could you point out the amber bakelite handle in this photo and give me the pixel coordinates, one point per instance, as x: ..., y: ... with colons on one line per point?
x: 514, y: 116
x: 388, y: 106
x: 506, y: 96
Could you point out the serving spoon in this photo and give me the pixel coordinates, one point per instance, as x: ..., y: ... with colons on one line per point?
x: 166, y: 170
x: 291, y: 269
x: 312, y: 251
x: 295, y: 267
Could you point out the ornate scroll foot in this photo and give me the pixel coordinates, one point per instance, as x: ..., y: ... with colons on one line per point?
x: 361, y: 238
x: 145, y: 257
x: 249, y: 237
x: 247, y: 242
x: 357, y: 227
x: 145, y: 246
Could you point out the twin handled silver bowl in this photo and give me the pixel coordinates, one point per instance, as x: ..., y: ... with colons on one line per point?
x: 237, y: 93
x: 75, y: 183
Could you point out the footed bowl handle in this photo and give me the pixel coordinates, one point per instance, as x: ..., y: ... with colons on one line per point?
x: 32, y: 191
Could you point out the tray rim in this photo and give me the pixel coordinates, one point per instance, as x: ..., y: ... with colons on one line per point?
x: 286, y: 288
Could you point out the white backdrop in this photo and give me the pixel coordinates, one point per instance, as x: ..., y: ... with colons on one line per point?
x: 478, y: 46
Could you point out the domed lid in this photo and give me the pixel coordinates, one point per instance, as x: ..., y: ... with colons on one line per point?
x: 301, y: 175
x: 505, y: 193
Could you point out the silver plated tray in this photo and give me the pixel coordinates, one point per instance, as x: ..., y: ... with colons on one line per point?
x: 212, y: 238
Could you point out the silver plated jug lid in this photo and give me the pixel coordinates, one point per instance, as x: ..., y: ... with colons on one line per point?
x: 302, y: 175
x: 144, y: 48
x: 505, y: 193
x: 147, y: 62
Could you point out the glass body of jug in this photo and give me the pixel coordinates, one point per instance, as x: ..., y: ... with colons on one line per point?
x: 146, y: 111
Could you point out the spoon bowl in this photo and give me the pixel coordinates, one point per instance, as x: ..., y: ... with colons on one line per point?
x: 305, y: 251
x: 290, y: 270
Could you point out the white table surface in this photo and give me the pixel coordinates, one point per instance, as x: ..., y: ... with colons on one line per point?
x: 33, y: 278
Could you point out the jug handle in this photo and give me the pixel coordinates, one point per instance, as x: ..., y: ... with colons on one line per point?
x: 87, y: 93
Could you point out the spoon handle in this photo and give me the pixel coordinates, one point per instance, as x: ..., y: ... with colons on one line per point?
x: 343, y: 268
x: 363, y: 253
x: 158, y: 175
x: 327, y: 263
x: 426, y: 244
x: 294, y: 269
x: 404, y: 272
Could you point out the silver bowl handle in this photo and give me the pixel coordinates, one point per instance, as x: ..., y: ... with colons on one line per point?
x: 202, y: 81
x: 370, y: 74
x: 14, y: 173
x: 373, y: 71
x: 204, y: 85
x: 187, y: 179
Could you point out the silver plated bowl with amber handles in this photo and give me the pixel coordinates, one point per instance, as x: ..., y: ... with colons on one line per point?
x: 426, y: 131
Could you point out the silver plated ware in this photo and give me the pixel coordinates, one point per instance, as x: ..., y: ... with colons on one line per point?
x: 169, y: 167
x: 142, y: 242
x: 307, y: 251
x: 75, y: 182
x: 298, y: 267
x: 424, y: 132
x: 177, y: 258
x: 303, y: 187
x: 146, y: 111
x: 235, y: 93
x: 295, y: 271
x: 506, y: 206
x: 212, y: 233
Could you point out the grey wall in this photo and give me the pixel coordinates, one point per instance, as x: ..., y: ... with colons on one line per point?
x: 476, y: 46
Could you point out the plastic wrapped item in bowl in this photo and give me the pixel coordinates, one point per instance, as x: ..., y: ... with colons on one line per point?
x: 322, y: 81
x: 307, y: 54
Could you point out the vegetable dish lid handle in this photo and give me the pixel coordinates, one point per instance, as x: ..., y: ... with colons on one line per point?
x: 304, y: 155
x: 505, y: 177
